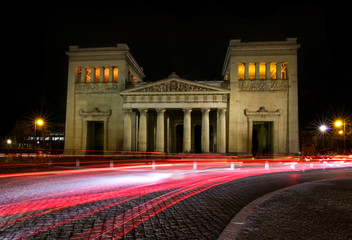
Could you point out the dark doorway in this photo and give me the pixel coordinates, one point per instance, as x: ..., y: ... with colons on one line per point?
x: 262, y: 138
x: 197, y: 138
x: 179, y: 138
x: 95, y: 137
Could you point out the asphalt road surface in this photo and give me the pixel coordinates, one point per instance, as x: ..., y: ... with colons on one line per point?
x: 194, y: 200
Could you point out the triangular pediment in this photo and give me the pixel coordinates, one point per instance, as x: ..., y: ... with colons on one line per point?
x: 174, y: 85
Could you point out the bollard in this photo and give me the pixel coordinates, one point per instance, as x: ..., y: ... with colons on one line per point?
x: 267, y: 165
x: 111, y: 164
x: 77, y: 162
x: 232, y: 166
x: 293, y: 166
x: 153, y: 164
x: 194, y: 165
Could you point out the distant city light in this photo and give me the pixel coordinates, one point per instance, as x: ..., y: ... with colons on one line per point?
x: 323, y: 128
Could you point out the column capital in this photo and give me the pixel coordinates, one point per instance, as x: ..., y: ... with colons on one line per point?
x: 205, y: 109
x: 128, y: 110
x: 187, y: 109
x: 222, y: 109
x: 143, y: 110
x: 161, y: 110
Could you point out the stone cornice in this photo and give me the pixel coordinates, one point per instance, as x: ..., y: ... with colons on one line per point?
x: 262, y: 112
x: 95, y: 112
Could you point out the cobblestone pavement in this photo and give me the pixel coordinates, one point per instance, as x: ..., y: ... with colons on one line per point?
x: 199, y: 212
x: 314, y: 210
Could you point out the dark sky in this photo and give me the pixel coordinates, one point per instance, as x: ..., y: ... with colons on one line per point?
x: 190, y: 40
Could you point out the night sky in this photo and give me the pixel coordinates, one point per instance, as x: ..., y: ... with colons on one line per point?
x: 190, y: 40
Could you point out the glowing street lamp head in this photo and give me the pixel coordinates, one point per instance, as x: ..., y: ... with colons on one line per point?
x: 323, y: 128
x: 338, y: 123
x: 39, y: 122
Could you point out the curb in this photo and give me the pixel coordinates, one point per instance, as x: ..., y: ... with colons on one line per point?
x: 235, y: 226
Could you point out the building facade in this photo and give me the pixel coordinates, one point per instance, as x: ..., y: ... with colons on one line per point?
x: 253, y: 110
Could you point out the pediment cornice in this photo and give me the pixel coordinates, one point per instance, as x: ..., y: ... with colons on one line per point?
x: 174, y: 85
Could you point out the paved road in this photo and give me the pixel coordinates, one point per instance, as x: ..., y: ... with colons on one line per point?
x: 313, y: 210
x: 162, y: 203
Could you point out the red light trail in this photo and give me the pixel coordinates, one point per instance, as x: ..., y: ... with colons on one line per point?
x: 113, y: 186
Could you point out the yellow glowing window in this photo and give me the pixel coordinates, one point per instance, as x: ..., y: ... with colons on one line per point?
x: 241, y: 71
x: 78, y: 74
x: 284, y: 70
x: 251, y: 71
x: 97, y: 74
x: 116, y: 74
x: 262, y: 71
x: 273, y: 70
x: 106, y: 74
x: 88, y: 71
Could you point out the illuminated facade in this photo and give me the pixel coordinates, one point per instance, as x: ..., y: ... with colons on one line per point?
x: 254, y: 109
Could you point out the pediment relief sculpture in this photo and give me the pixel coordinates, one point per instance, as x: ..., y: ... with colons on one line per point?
x: 174, y: 85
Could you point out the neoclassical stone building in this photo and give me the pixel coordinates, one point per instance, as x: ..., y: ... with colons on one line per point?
x: 254, y: 109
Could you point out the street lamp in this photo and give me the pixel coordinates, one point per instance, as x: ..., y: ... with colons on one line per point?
x: 339, y: 123
x: 38, y: 122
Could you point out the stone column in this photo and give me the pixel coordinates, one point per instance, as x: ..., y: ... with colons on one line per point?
x: 142, y: 137
x: 92, y: 74
x: 110, y: 73
x: 127, y: 132
x: 257, y: 64
x: 83, y: 75
x: 205, y: 130
x: 222, y: 131
x: 187, y: 127
x: 268, y: 67
x: 160, y: 135
x: 246, y: 71
x: 101, y: 74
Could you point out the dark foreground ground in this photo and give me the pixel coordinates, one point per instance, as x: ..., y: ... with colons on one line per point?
x: 313, y: 210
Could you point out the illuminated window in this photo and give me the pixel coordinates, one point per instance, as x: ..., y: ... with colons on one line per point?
x: 251, y: 71
x: 241, y: 71
x: 97, y: 74
x: 284, y: 70
x: 116, y: 74
x: 227, y: 76
x: 262, y: 70
x: 106, y: 74
x: 273, y: 70
x: 78, y: 74
x: 88, y: 74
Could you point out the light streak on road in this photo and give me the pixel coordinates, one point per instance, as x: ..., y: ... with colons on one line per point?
x: 172, y: 178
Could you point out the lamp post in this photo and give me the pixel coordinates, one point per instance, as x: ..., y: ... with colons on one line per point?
x: 338, y: 124
x: 38, y: 122
x: 323, y: 129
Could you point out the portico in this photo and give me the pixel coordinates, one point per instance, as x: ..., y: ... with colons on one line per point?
x: 175, y: 102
